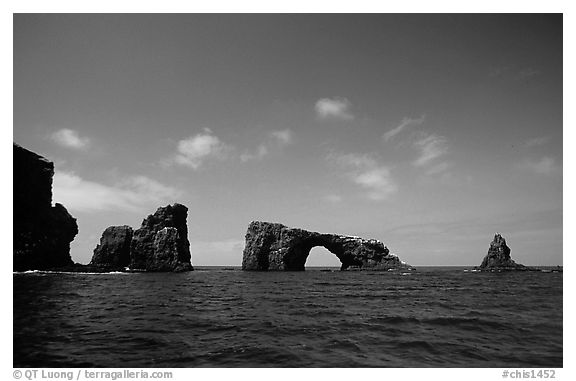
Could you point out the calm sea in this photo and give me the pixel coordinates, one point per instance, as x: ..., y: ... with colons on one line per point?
x: 223, y: 317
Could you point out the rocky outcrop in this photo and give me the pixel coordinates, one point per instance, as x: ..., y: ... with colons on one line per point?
x: 161, y: 244
x: 113, y: 252
x: 166, y: 253
x: 498, y: 257
x: 272, y: 246
x: 155, y: 248
x: 42, y: 232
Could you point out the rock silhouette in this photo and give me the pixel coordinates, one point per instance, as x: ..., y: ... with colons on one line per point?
x: 498, y: 257
x: 273, y: 246
x: 42, y: 232
x: 160, y: 244
x: 113, y: 252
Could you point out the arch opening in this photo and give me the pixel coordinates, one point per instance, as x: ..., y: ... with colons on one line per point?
x: 295, y: 258
x: 319, y: 257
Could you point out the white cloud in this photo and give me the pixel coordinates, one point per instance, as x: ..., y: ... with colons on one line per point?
x: 365, y: 171
x: 431, y: 147
x: 277, y: 138
x: 377, y: 181
x: 334, y: 108
x: 283, y: 137
x: 70, y: 138
x: 535, y: 142
x: 134, y: 194
x: 406, y: 123
x: 194, y: 150
x: 354, y: 160
x: 544, y: 166
x: 259, y: 154
x: 439, y: 168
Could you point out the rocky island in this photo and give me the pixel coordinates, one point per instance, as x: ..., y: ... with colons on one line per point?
x: 161, y: 244
x: 42, y: 232
x: 273, y: 246
x: 498, y: 257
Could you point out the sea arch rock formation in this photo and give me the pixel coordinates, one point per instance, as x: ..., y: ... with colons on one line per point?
x: 273, y: 246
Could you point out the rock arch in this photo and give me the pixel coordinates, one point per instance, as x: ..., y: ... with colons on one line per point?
x: 273, y: 246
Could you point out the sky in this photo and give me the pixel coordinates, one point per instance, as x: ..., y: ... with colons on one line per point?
x: 430, y: 132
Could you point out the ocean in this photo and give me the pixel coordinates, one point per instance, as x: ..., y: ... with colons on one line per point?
x: 225, y: 317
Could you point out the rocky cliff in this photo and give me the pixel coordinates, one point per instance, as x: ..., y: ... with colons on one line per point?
x: 273, y: 246
x: 155, y: 248
x: 160, y: 244
x: 498, y: 257
x: 113, y: 252
x: 42, y: 232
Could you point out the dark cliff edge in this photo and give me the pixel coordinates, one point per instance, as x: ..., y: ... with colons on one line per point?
x: 273, y: 246
x: 42, y: 232
x: 159, y: 245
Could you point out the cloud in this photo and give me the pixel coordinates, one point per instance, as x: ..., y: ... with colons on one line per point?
x: 544, y: 166
x: 259, y: 154
x: 406, y: 123
x: 134, y: 194
x: 334, y: 108
x: 439, y: 168
x: 535, y: 142
x: 354, y: 160
x: 431, y: 147
x: 278, y: 138
x: 378, y: 182
x: 193, y: 151
x: 283, y: 137
x: 70, y: 139
x: 365, y: 171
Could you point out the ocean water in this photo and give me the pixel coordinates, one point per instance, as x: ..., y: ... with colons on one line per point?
x: 219, y: 317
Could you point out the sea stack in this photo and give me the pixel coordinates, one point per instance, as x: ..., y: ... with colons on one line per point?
x: 161, y: 244
x: 273, y: 246
x: 113, y: 252
x: 42, y: 232
x: 498, y: 257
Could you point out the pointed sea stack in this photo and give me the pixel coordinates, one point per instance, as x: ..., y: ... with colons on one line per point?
x: 498, y: 257
x: 42, y: 232
x: 273, y: 246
